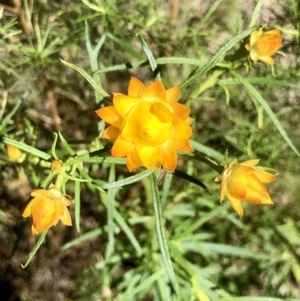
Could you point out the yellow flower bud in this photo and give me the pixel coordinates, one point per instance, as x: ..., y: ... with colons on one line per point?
x: 56, y: 165
x: 244, y: 182
x: 14, y: 154
x: 47, y: 207
x: 264, y: 44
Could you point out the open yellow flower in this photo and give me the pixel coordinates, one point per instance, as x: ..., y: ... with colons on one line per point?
x: 148, y: 125
x: 262, y: 45
x: 244, y: 182
x: 47, y: 207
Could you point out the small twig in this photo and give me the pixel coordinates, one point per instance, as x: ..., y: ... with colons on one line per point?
x: 16, y: 10
x: 53, y: 108
x: 72, y: 97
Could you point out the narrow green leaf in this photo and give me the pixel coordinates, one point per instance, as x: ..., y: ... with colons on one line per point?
x: 208, y: 161
x: 256, y: 12
x: 159, y: 61
x: 256, y: 298
x: 269, y: 81
x: 35, y: 249
x: 210, y: 248
x: 160, y: 232
x: 88, y: 156
x: 9, y: 115
x: 134, y: 278
x: 123, y: 225
x: 94, y: 7
x: 218, y: 55
x: 208, y: 151
x: 77, y: 205
x: 89, y: 235
x: 200, y: 221
x: 129, y: 180
x: 150, y: 56
x: 48, y: 180
x: 129, y: 49
x: 208, y: 14
x: 256, y: 95
x: 110, y: 214
x: 66, y: 144
x: 93, y: 57
x: 187, y: 177
x: 227, y: 93
x: 166, y: 188
x: 26, y: 148
x: 89, y: 78
x: 144, y: 286
x: 53, y: 147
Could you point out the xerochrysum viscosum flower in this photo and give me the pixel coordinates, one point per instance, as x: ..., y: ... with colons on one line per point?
x: 148, y: 125
x: 47, y: 207
x: 244, y: 182
x: 262, y: 45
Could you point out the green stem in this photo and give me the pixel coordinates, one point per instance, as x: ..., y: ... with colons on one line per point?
x: 35, y: 249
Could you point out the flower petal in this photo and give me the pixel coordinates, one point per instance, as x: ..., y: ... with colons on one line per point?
x: 110, y: 115
x: 44, y: 214
x: 267, y: 44
x: 184, y: 146
x: 136, y: 88
x: 180, y: 110
x: 28, y: 209
x: 254, y: 36
x: 133, y: 161
x: 161, y: 112
x: 148, y: 155
x: 122, y: 148
x: 222, y: 189
x: 111, y: 133
x: 236, y: 205
x: 168, y: 156
x: 155, y: 92
x: 66, y: 218
x: 172, y: 94
x: 264, y: 176
x: 250, y: 163
x: 181, y: 130
x: 59, y: 206
x: 256, y: 191
x: 235, y: 187
x: 123, y: 103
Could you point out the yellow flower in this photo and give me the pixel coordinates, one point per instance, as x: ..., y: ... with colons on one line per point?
x: 47, y: 208
x: 264, y: 44
x: 148, y: 125
x: 244, y: 182
x: 14, y: 154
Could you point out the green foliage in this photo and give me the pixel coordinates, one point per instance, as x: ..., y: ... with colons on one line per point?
x: 151, y: 236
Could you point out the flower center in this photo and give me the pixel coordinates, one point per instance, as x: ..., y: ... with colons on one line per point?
x: 149, y: 124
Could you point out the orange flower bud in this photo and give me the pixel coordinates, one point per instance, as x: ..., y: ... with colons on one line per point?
x: 47, y: 208
x: 262, y: 45
x: 148, y: 125
x: 244, y: 182
x: 14, y: 154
